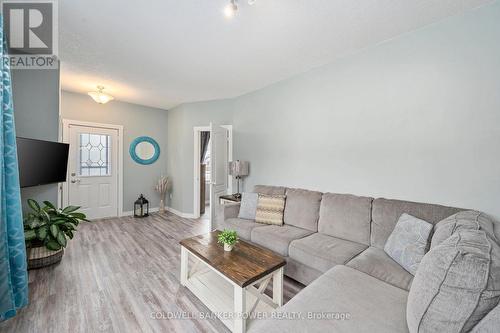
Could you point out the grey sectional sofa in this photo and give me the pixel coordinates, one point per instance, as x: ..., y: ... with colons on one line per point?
x: 334, y: 244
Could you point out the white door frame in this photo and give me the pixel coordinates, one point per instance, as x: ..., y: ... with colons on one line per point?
x: 196, y: 164
x: 65, y: 138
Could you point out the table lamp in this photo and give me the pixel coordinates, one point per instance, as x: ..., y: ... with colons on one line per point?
x: 238, y: 169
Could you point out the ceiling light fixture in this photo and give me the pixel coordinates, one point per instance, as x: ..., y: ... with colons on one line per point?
x: 231, y: 9
x: 99, y: 96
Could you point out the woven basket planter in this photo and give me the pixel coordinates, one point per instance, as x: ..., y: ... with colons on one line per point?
x: 40, y: 256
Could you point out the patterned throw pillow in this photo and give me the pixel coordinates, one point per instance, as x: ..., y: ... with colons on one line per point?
x: 248, y: 207
x: 270, y: 209
x: 408, y: 242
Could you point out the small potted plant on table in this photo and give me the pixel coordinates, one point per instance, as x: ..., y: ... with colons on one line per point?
x: 46, y: 230
x: 228, y: 238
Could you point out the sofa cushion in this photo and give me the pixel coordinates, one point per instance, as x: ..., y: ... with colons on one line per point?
x: 385, y: 215
x: 472, y: 220
x: 356, y: 301
x: 278, y: 238
x: 375, y: 262
x: 242, y: 227
x: 248, y: 207
x: 490, y: 323
x: 227, y: 211
x: 408, y: 241
x: 300, y: 272
x: 270, y: 190
x: 322, y: 252
x: 302, y: 208
x: 456, y: 285
x: 270, y: 209
x: 346, y: 216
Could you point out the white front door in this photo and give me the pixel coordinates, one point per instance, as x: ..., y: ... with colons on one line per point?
x: 218, y: 167
x: 93, y: 170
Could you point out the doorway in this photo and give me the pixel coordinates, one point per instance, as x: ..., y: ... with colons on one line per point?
x: 205, y: 174
x: 94, y: 179
x: 212, y: 144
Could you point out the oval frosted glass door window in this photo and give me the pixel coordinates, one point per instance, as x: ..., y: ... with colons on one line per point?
x: 144, y: 150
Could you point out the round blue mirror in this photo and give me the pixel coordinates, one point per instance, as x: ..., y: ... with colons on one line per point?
x: 144, y: 150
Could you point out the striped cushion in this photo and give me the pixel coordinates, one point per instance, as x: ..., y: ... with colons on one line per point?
x: 270, y: 209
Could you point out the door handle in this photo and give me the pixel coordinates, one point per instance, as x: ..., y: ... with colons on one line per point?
x: 75, y: 181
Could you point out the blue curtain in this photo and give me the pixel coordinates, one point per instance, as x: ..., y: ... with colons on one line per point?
x: 13, y: 273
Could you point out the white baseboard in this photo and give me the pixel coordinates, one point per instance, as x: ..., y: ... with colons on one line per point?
x: 170, y: 209
x: 131, y: 212
x: 181, y: 214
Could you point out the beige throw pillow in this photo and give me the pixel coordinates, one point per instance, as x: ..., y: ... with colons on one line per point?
x: 270, y: 209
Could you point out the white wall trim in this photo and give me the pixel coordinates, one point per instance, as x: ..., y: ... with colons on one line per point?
x: 196, y: 165
x: 181, y: 214
x: 131, y: 212
x: 169, y: 209
x: 65, y: 138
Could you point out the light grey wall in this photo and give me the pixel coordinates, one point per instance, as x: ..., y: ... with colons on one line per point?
x: 36, y: 114
x: 137, y: 120
x: 414, y: 118
x: 181, y: 121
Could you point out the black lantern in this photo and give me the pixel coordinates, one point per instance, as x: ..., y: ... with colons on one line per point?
x: 141, y: 207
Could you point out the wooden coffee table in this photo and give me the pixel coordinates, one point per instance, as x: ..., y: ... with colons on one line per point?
x: 227, y: 281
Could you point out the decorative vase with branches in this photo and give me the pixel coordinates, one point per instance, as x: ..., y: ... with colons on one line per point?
x: 162, y: 188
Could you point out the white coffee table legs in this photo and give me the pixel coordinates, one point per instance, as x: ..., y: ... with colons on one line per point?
x: 278, y: 287
x: 221, y: 295
x: 240, y: 301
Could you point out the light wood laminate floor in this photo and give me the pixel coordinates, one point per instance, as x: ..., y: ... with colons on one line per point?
x: 116, y: 275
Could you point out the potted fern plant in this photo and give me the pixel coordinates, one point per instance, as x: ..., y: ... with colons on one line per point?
x: 47, y: 230
x: 228, y: 238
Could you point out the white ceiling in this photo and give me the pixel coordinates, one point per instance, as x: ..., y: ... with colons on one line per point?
x: 163, y: 53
